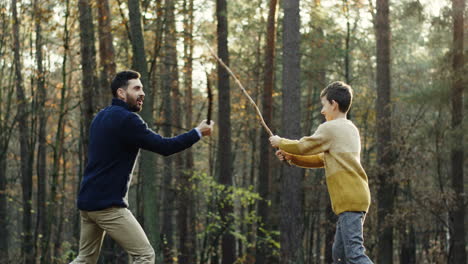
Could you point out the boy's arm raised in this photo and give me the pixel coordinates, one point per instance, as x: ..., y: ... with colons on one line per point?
x: 317, y: 143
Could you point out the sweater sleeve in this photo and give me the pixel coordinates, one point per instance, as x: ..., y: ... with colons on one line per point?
x: 136, y: 133
x: 319, y: 142
x: 311, y: 161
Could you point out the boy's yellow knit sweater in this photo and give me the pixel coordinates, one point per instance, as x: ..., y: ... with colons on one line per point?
x: 336, y: 146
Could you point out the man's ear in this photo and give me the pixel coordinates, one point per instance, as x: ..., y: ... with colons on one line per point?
x: 121, y: 93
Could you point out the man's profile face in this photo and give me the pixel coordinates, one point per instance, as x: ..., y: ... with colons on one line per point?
x: 133, y: 95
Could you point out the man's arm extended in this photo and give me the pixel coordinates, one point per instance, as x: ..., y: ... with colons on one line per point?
x: 139, y: 135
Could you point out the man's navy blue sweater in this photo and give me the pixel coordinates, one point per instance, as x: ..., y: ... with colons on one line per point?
x: 116, y: 135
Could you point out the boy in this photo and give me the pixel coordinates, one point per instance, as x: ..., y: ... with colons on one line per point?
x: 336, y: 146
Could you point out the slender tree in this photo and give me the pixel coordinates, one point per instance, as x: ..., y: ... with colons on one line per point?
x: 169, y: 86
x: 265, y: 148
x: 107, y: 69
x: 89, y: 82
x: 330, y: 228
x: 224, y: 135
x: 4, y: 144
x: 41, y: 219
x: 4, y: 256
x: 25, y: 144
x: 347, y: 44
x: 106, y: 53
x: 6, y: 129
x: 147, y: 169
x: 89, y: 79
x: 186, y: 221
x: 291, y: 222
x: 457, y: 213
x: 408, y: 244
x: 385, y: 154
x: 347, y: 54
x: 59, y: 151
x: 149, y: 188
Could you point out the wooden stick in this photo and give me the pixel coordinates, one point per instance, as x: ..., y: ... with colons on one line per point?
x: 259, y: 114
x: 210, y: 97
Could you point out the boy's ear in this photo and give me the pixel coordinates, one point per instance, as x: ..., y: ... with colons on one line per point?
x: 334, y: 104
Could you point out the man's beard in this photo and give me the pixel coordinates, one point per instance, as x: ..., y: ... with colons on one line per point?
x: 133, y: 104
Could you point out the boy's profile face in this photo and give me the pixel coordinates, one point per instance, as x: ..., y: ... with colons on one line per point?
x: 329, y: 110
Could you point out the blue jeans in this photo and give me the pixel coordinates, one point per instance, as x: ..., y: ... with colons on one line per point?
x: 348, y: 247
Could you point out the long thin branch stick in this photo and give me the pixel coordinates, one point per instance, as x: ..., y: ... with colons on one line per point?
x: 210, y: 97
x: 241, y: 87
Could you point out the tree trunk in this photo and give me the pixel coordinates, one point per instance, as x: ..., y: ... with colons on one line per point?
x: 41, y: 217
x: 66, y: 49
x: 385, y: 154
x: 291, y: 223
x: 186, y: 217
x: 88, y: 82
x: 347, y: 44
x: 457, y: 213
x: 150, y: 187
x: 107, y: 70
x: 80, y: 170
x: 4, y: 256
x: 26, y: 153
x: 147, y: 170
x: 266, y: 152
x: 169, y: 80
x: 318, y: 239
x: 228, y: 243
x: 330, y: 229
x: 6, y: 128
x: 408, y: 245
x: 89, y: 86
x: 58, y: 148
x: 60, y: 199
x: 106, y: 53
x: 88, y: 65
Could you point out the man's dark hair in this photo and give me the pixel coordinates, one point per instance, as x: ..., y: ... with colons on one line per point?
x: 341, y: 92
x: 121, y: 80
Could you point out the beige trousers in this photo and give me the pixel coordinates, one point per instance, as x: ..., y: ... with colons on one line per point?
x: 122, y: 226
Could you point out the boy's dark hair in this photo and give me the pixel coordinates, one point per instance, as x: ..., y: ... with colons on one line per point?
x: 341, y: 92
x: 121, y: 80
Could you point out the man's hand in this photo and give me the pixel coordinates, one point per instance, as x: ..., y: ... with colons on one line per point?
x: 204, y: 128
x: 275, y: 141
x: 282, y: 155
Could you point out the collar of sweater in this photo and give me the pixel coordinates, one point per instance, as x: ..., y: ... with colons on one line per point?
x: 119, y: 102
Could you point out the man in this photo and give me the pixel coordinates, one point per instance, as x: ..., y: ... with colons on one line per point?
x: 116, y: 135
